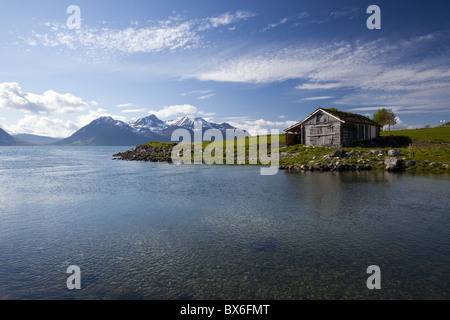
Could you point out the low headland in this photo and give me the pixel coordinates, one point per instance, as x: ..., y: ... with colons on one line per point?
x: 414, y: 150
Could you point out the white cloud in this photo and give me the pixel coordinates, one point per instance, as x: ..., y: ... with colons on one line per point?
x: 50, y: 102
x: 53, y: 127
x: 43, y: 126
x: 225, y: 19
x: 274, y: 25
x: 317, y: 98
x: 368, y: 73
x: 125, y: 105
x: 400, y: 125
x: 133, y: 110
x: 202, y: 94
x: 195, y: 92
x: 170, y: 34
x: 175, y: 110
x: 207, y: 96
x: 316, y: 86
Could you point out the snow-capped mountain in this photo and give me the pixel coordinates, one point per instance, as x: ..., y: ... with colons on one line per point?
x: 188, y: 122
x: 150, y: 123
x: 106, y: 131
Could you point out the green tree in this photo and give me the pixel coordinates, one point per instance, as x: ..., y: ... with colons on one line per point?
x: 391, y: 119
x: 385, y: 118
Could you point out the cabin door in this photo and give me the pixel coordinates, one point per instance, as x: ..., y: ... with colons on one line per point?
x: 321, y: 135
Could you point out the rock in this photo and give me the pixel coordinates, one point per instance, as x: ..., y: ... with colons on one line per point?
x: 410, y: 163
x: 434, y: 164
x: 393, y: 153
x: 392, y: 163
x: 339, y: 154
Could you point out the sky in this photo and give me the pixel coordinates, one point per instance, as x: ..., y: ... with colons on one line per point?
x: 256, y: 64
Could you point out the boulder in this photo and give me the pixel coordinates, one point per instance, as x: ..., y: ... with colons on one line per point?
x: 393, y: 153
x: 410, y: 163
x: 393, y: 164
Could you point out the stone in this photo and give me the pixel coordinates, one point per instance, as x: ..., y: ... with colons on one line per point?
x: 393, y: 153
x: 392, y: 163
x: 410, y: 163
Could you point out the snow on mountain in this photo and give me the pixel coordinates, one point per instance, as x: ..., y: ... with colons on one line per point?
x: 150, y: 123
x: 188, y: 122
x: 108, y: 131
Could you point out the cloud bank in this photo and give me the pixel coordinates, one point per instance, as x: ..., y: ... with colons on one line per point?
x: 50, y: 102
x: 363, y: 73
x: 170, y: 34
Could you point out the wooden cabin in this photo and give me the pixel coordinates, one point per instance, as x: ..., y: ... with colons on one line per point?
x: 332, y: 128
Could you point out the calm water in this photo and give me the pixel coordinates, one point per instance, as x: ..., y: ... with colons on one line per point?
x: 158, y: 231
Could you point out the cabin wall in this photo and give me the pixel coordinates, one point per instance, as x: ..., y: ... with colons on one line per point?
x: 322, y: 130
x: 354, y: 132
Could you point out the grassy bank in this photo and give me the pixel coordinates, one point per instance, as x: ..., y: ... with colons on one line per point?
x: 419, y: 150
x: 424, y: 150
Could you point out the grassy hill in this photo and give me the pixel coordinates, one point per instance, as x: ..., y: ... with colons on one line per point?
x: 433, y: 135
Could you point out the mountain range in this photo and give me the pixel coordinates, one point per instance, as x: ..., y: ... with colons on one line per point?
x: 106, y: 131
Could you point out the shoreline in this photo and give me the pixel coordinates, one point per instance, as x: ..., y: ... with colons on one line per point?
x: 319, y: 159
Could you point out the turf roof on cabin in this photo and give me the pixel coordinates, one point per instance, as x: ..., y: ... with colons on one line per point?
x: 344, y: 116
x: 348, y: 116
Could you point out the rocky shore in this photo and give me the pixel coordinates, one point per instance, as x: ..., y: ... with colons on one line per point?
x: 312, y: 159
x: 357, y: 160
x: 149, y: 152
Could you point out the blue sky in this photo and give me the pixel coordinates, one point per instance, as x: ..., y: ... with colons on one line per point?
x: 254, y: 64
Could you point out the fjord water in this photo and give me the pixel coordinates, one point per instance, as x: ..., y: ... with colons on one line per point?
x: 142, y: 230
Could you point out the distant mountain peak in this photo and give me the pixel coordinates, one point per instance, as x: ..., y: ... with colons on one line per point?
x: 108, y: 131
x: 189, y: 121
x: 150, y: 122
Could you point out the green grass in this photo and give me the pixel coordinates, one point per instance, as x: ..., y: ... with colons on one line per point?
x: 161, y: 144
x: 438, y: 151
x: 250, y: 146
x: 437, y: 134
